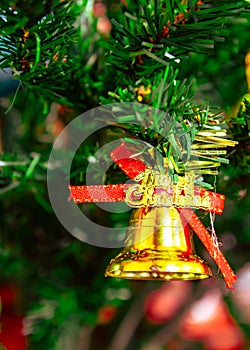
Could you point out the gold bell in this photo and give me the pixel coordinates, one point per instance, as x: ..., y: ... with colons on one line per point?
x: 159, y: 246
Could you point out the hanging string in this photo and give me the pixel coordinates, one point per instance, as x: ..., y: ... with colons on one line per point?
x: 212, y: 221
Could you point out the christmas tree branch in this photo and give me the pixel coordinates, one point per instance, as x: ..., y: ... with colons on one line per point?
x: 175, y: 27
x: 42, y: 49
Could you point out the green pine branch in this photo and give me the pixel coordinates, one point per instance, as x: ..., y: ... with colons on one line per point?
x: 157, y: 33
x: 46, y: 52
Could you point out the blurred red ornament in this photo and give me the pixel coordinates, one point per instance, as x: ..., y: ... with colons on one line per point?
x: 106, y: 313
x: 99, y: 9
x: 8, y: 295
x: 104, y: 26
x: 11, y: 335
x: 163, y: 303
x: 209, y: 320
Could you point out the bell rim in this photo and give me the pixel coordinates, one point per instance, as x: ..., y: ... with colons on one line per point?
x: 160, y: 277
x: 177, y: 268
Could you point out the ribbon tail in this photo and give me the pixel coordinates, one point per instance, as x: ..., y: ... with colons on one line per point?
x: 98, y: 193
x: 211, y: 246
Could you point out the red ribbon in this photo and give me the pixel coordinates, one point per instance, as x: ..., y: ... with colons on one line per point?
x: 211, y: 246
x: 131, y: 166
x: 117, y: 193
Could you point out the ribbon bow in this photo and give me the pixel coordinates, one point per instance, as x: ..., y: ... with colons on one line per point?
x: 156, y: 189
